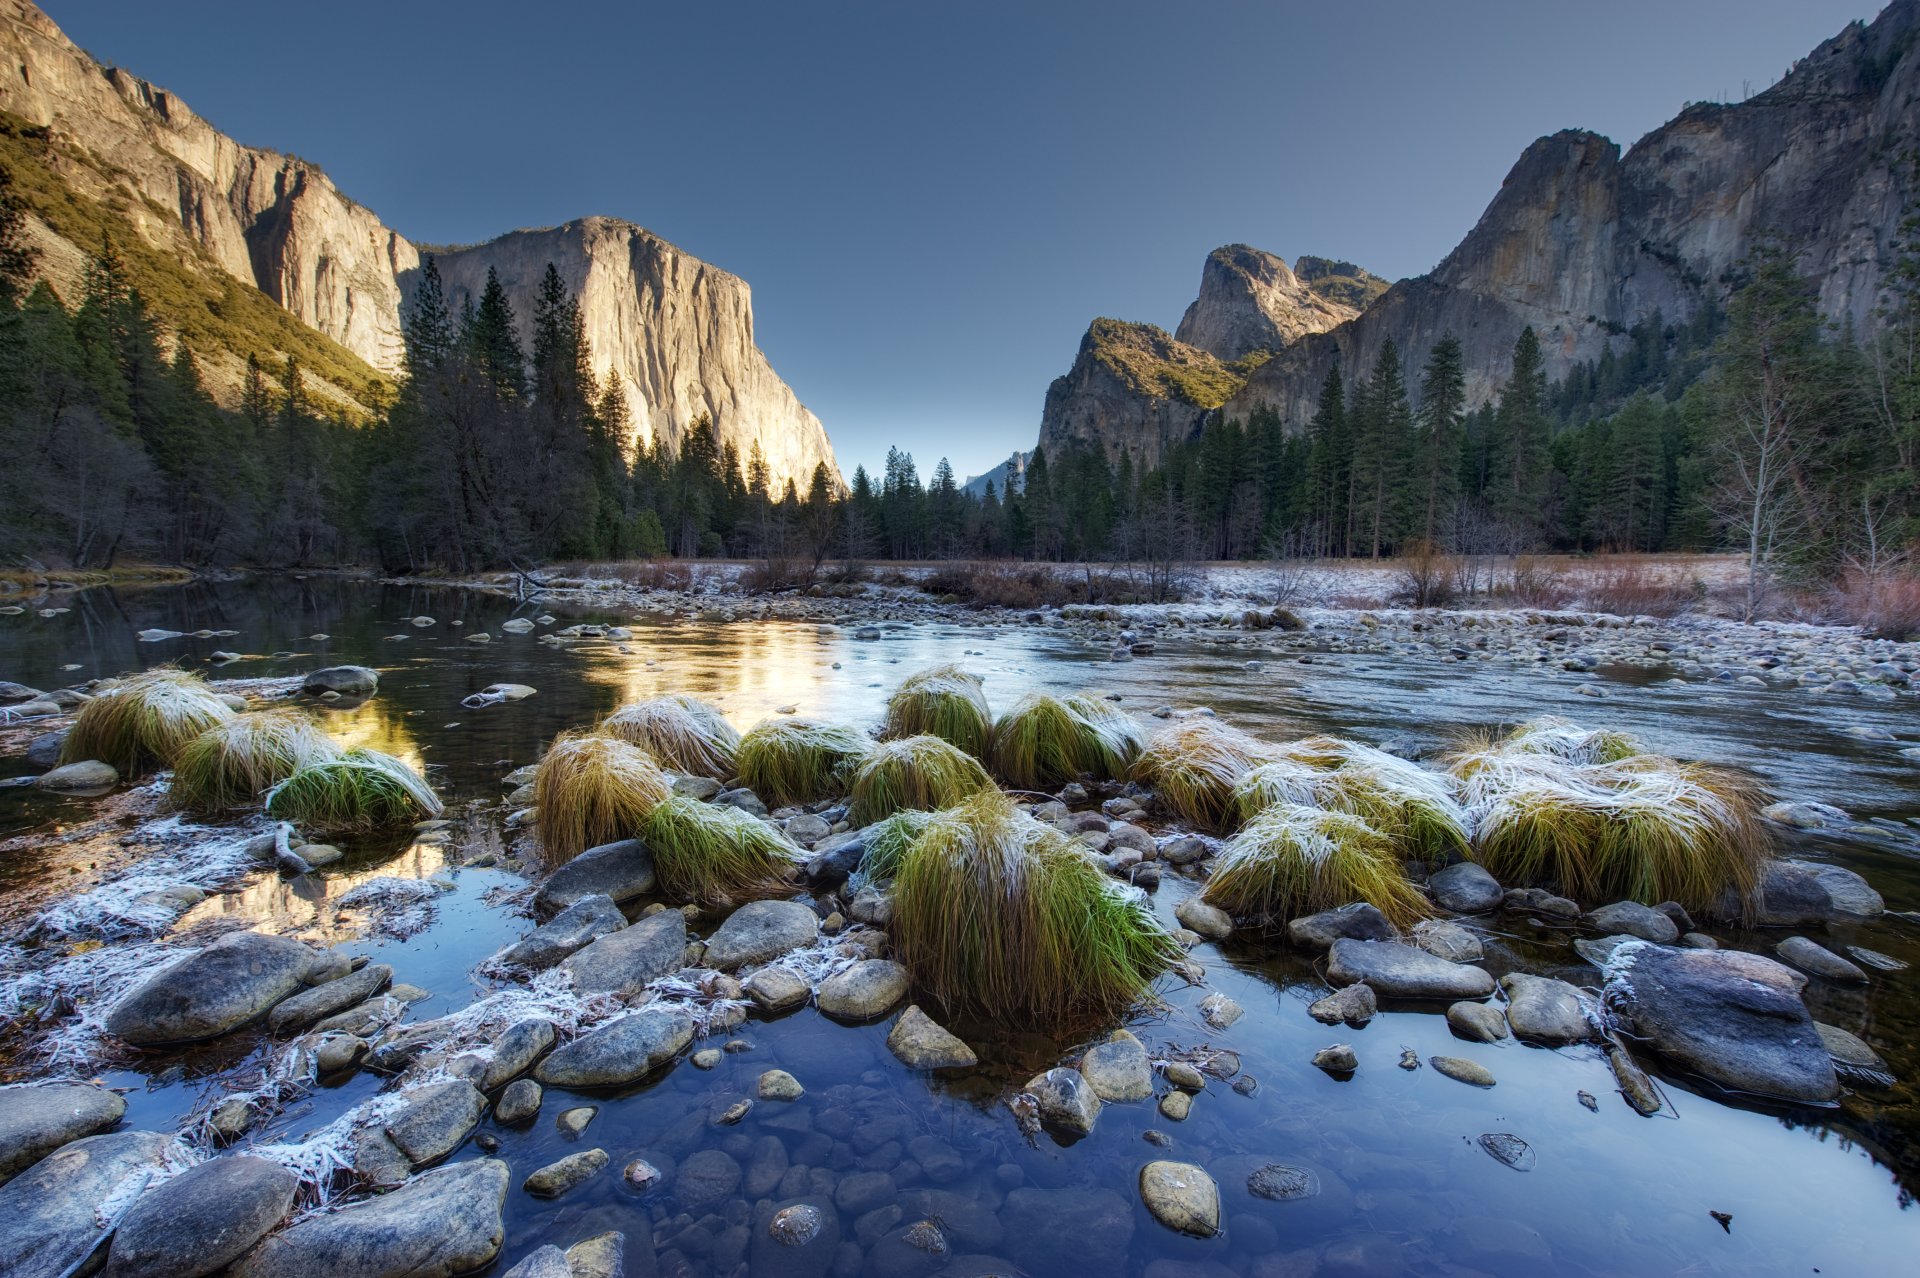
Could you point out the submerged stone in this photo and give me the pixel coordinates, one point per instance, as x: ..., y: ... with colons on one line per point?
x: 1182, y: 1197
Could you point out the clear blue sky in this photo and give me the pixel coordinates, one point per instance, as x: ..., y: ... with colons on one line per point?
x: 931, y: 200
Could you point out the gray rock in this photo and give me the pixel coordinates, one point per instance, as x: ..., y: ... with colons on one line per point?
x: 1283, y: 1182
x: 13, y: 694
x: 1542, y: 902
x: 202, y: 1220
x: 1337, y: 1059
x: 777, y: 1084
x: 1462, y: 1070
x: 574, y: 1170
x: 1853, y: 1057
x: 835, y: 857
x: 36, y: 1119
x: 744, y: 799
x: 621, y: 871
x: 1466, y: 888
x: 806, y: 829
x: 47, y: 1221
x: 1183, y: 851
x: 548, y: 1262
x: 514, y: 1052
x: 1449, y: 941
x: 1209, y: 921
x: 601, y: 1256
x: 85, y: 777
x: 348, y: 681
x: 1066, y: 1101
x: 1359, y: 921
x: 919, y: 1043
x: 1182, y: 1197
x: 519, y: 1102
x: 1817, y: 960
x: 774, y: 989
x: 439, y: 1224
x: 760, y: 932
x: 868, y: 989
x: 573, y: 928
x: 1118, y: 1069
x: 235, y: 980
x: 1402, y: 971
x: 800, y: 1239
x: 621, y: 1051
x: 1630, y: 918
x: 1543, y: 1010
x: 705, y: 1179
x: 1070, y: 1231
x: 321, y: 1001
x: 1355, y: 1005
x: 43, y: 752
x: 627, y: 961
x: 435, y: 1119
x: 1477, y: 1022
x: 1219, y: 1011
x: 1793, y: 893
x: 1734, y: 1018
x: 573, y: 1123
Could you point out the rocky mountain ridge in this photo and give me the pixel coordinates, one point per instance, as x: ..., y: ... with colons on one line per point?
x: 676, y: 331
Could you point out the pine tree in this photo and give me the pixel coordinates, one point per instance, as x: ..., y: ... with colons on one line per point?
x: 491, y: 337
x: 1435, y: 470
x: 1517, y: 464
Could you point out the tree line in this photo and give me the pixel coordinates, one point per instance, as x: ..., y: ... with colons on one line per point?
x: 1752, y: 425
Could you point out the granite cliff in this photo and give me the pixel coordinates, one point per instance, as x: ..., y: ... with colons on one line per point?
x: 677, y: 331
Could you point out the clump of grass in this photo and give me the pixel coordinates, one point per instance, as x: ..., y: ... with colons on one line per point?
x: 685, y: 734
x: 359, y: 790
x: 889, y: 841
x: 1643, y: 827
x: 1290, y: 860
x: 1044, y: 741
x: 1193, y: 765
x: 945, y: 702
x: 1415, y: 808
x: 144, y: 719
x: 1554, y: 737
x: 917, y: 773
x: 1000, y: 915
x: 592, y: 789
x: 230, y: 764
x: 798, y: 760
x: 716, y: 854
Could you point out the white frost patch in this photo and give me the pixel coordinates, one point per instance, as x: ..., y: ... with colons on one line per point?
x: 73, y: 995
x: 149, y: 898
x: 397, y: 908
x: 120, y: 1197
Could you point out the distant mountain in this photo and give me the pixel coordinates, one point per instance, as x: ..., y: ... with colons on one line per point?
x: 1581, y: 243
x: 208, y: 221
x: 1011, y: 471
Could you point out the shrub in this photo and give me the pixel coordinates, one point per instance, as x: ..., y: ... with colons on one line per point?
x: 1044, y: 741
x: 1290, y: 860
x: 1635, y: 588
x: 683, y: 733
x: 798, y: 760
x: 591, y: 789
x: 144, y: 719
x: 232, y: 763
x: 999, y: 915
x: 1193, y: 765
x: 945, y: 702
x: 359, y: 790
x: 716, y: 854
x: 917, y: 773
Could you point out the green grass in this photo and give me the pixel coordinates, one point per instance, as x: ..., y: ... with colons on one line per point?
x: 1643, y: 828
x: 914, y: 774
x: 1550, y: 737
x: 685, y: 734
x: 945, y: 702
x: 1045, y: 741
x: 1146, y: 359
x: 358, y: 790
x: 1418, y: 809
x: 888, y: 843
x: 589, y: 790
x: 143, y: 720
x: 999, y: 915
x: 715, y: 854
x: 232, y: 763
x: 1192, y: 765
x: 1290, y: 860
x: 797, y: 760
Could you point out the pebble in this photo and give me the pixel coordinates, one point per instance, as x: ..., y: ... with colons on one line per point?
x: 1462, y: 1070
x: 1338, y: 1059
x: 572, y: 1122
x: 777, y: 1084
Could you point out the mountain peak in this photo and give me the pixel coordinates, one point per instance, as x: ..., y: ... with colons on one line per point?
x: 1251, y: 301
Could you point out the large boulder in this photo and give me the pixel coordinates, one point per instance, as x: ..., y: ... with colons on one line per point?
x: 36, y: 1119
x: 1543, y: 1010
x: 626, y: 961
x: 1731, y: 1017
x: 622, y: 871
x: 1395, y: 970
x: 442, y: 1223
x: 348, y: 681
x: 1182, y: 1197
x: 1466, y: 888
x: 619, y: 1052
x: 1797, y: 892
x: 237, y: 979
x: 578, y: 925
x: 48, y: 1224
x: 761, y: 931
x: 202, y: 1220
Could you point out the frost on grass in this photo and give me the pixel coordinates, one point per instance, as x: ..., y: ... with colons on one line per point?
x: 397, y: 908
x: 147, y: 899
x: 61, y: 1007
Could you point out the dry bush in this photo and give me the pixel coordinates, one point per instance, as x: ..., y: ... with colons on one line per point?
x: 1423, y: 577
x: 771, y: 576
x: 1883, y: 606
x: 1634, y: 588
x: 1533, y: 584
x: 1000, y: 585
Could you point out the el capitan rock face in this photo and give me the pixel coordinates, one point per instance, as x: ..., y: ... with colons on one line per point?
x: 676, y: 330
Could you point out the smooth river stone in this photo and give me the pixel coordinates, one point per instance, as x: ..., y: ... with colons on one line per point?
x: 1395, y: 970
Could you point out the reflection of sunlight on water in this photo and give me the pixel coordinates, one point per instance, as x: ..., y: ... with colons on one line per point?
x: 305, y: 907
x: 375, y: 725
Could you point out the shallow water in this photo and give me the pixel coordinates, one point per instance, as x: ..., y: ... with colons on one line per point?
x: 1403, y: 1184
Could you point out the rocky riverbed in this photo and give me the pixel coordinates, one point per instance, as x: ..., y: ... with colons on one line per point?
x: 418, y: 1053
